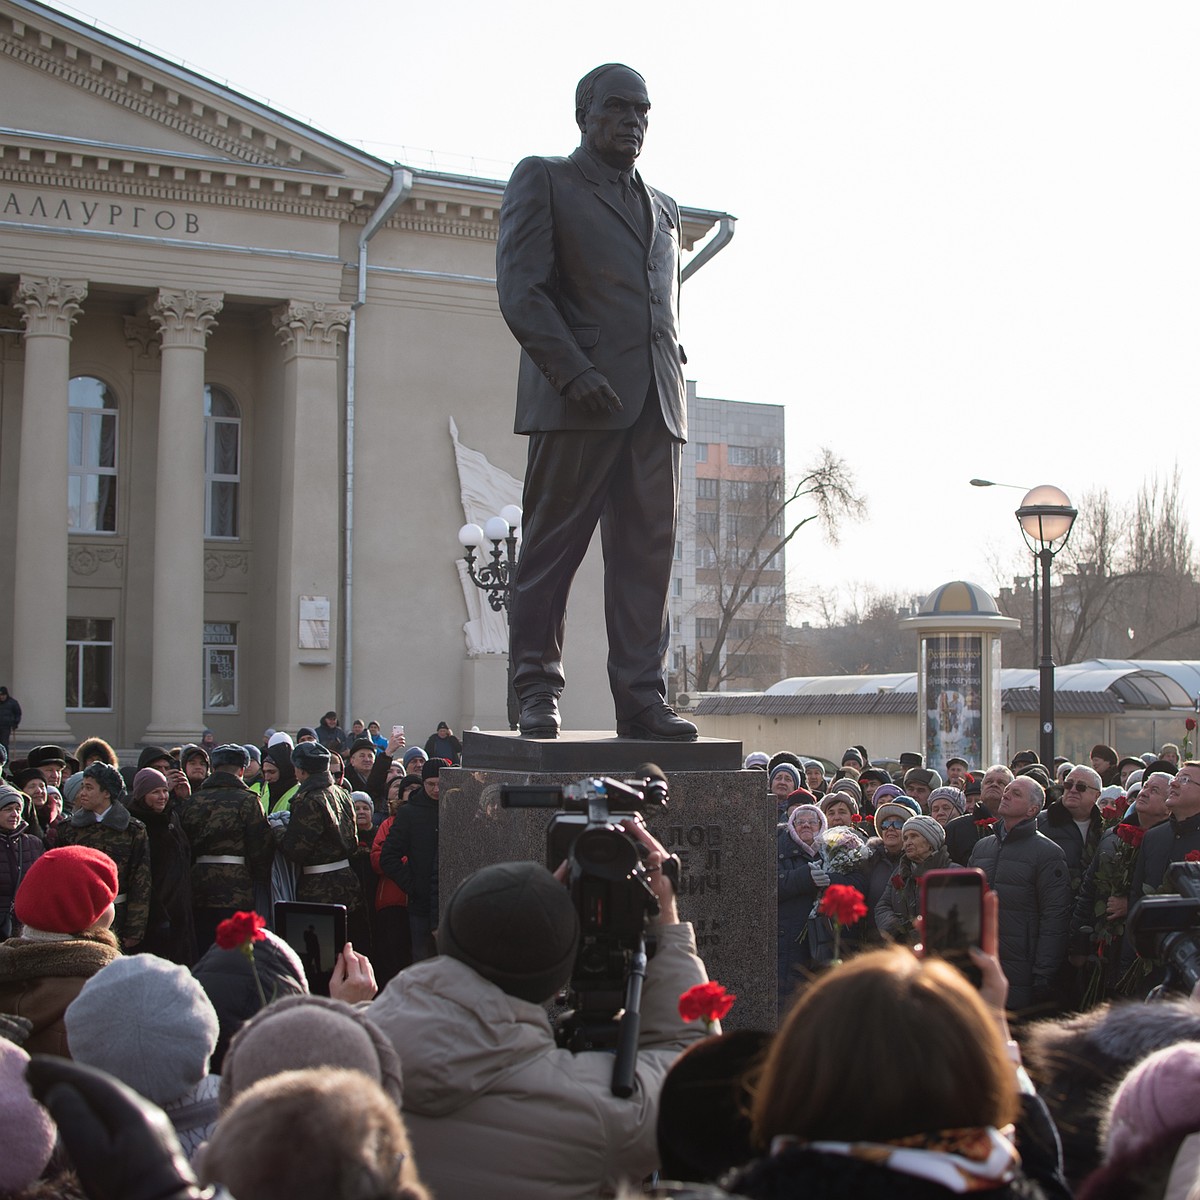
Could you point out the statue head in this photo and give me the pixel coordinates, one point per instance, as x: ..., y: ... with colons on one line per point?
x: 612, y: 109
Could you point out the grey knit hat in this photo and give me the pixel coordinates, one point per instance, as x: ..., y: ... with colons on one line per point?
x: 300, y: 1032
x: 928, y: 828
x: 147, y: 1022
x: 516, y: 925
x: 949, y: 793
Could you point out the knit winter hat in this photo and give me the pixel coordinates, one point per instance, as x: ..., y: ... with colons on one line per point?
x: 788, y: 769
x: 10, y: 795
x: 27, y: 1128
x: 279, y: 738
x: 952, y: 794
x: 253, y: 753
x: 849, y: 786
x: 928, y: 828
x: 432, y: 768
x: 299, y: 1032
x: 886, y: 791
x: 414, y: 752
x: 756, y: 760
x: 1160, y: 1096
x: 852, y: 755
x: 839, y: 796
x: 515, y: 925
x: 147, y: 1022
x: 145, y: 781
x: 66, y: 890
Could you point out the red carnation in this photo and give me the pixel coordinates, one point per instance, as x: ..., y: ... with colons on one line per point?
x: 986, y: 822
x: 1192, y: 856
x: 708, y: 1002
x: 1110, y: 812
x: 1190, y: 724
x: 843, y: 904
x: 239, y: 929
x: 898, y: 882
x: 856, y: 818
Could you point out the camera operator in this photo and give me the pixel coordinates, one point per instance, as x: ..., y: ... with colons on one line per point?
x: 493, y: 1106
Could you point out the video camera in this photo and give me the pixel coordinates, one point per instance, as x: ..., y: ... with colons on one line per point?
x: 1167, y: 927
x: 610, y: 886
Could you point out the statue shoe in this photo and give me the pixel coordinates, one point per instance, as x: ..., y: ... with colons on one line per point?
x: 539, y: 715
x: 658, y: 723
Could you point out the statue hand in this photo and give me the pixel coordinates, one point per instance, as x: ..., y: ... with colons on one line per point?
x: 591, y: 391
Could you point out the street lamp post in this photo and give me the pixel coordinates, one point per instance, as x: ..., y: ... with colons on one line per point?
x: 1046, y: 518
x: 495, y: 578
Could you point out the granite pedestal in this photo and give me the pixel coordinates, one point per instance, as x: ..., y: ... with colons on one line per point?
x: 720, y: 822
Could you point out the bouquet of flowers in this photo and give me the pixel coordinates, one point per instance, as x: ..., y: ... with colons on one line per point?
x: 842, y: 853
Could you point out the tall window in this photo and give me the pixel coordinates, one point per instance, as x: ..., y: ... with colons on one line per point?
x: 89, y: 663
x: 91, y: 456
x: 220, y: 666
x: 222, y: 463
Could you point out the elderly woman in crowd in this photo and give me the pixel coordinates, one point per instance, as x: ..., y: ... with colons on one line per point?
x: 946, y: 803
x: 19, y: 850
x: 896, y: 911
x: 800, y: 878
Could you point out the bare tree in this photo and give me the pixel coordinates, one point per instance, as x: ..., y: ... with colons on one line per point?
x: 742, y: 604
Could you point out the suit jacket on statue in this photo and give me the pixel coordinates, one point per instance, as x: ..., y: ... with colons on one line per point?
x: 580, y: 287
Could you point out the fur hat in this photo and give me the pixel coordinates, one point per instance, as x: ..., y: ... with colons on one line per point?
x: 1160, y: 1097
x: 108, y: 779
x: 703, y: 1109
x: 514, y: 924
x: 311, y: 757
x: 147, y: 1022
x: 46, y: 756
x: 66, y: 890
x: 27, y: 1128
x: 928, y: 828
x: 299, y: 1032
x: 229, y: 755
x: 929, y: 778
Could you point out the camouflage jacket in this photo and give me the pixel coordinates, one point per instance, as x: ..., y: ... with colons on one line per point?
x: 123, y: 838
x: 224, y: 819
x: 322, y: 830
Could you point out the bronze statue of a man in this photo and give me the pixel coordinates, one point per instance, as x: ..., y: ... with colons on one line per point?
x: 587, y: 269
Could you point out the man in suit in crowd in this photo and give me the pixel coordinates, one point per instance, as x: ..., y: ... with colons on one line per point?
x: 587, y: 271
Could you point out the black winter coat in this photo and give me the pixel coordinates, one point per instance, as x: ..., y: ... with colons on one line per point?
x: 963, y: 832
x: 410, y: 853
x: 1030, y: 873
x: 18, y: 851
x: 1059, y: 826
x: 171, y: 930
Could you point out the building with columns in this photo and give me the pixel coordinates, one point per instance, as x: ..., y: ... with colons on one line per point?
x: 252, y: 380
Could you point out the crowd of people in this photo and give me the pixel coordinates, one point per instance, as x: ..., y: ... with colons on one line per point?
x: 1069, y: 847
x: 158, y: 1040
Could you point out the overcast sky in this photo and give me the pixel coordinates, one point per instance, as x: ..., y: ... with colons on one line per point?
x: 967, y: 239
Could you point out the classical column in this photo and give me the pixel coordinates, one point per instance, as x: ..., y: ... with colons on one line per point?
x: 49, y: 307
x: 184, y: 320
x: 309, y: 507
